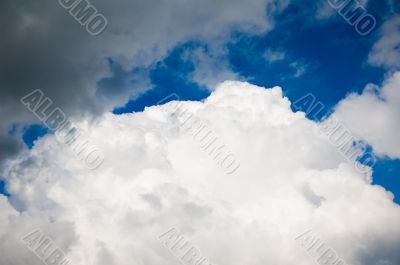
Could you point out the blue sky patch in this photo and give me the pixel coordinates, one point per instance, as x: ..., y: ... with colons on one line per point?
x: 167, y: 77
x: 33, y: 133
x: 386, y: 174
x: 3, y: 189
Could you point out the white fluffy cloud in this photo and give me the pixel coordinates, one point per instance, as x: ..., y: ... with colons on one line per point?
x: 155, y: 176
x: 386, y: 51
x: 374, y: 116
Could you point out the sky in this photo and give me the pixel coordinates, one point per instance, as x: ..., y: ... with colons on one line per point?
x: 142, y: 92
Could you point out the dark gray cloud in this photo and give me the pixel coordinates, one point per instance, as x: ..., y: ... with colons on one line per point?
x: 44, y: 47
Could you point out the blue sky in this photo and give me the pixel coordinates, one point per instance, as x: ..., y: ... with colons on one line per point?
x: 332, y: 56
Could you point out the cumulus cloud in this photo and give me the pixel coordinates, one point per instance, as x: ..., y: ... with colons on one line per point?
x: 373, y: 116
x: 44, y: 47
x: 155, y: 177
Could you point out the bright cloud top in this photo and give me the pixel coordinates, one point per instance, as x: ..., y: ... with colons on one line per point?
x: 155, y: 176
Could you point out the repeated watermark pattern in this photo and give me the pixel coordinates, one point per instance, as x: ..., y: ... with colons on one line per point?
x: 86, y: 15
x: 43, y: 247
x: 355, y: 14
x: 204, y: 136
x: 182, y: 249
x: 318, y: 250
x: 65, y: 132
x: 350, y: 147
